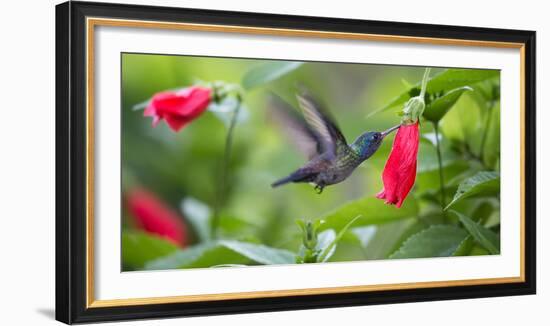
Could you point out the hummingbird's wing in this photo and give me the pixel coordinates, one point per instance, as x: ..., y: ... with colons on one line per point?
x: 296, y: 129
x: 320, y: 122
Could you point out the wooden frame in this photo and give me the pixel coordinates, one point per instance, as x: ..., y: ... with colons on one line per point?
x: 75, y: 23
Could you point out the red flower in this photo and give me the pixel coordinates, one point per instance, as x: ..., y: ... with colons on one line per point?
x: 178, y: 108
x: 400, y: 170
x: 154, y: 216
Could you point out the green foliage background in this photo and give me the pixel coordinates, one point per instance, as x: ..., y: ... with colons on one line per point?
x: 257, y: 223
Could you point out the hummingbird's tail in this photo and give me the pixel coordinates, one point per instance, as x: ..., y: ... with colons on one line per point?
x: 282, y: 181
x: 298, y: 176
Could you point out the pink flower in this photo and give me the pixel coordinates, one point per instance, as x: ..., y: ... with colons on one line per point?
x: 180, y: 107
x: 155, y: 217
x: 400, y: 170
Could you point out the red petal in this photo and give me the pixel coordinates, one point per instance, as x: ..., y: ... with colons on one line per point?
x: 197, y: 101
x: 167, y: 101
x: 176, y: 122
x: 151, y: 111
x: 187, y: 102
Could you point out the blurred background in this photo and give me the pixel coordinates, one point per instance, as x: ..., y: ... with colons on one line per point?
x: 179, y: 174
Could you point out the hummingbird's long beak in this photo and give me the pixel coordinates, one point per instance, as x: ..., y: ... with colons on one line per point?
x: 389, y: 131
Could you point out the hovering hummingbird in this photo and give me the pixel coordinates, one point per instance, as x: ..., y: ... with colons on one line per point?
x: 331, y: 158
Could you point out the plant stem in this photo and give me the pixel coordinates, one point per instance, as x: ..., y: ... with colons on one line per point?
x: 424, y: 82
x: 440, y: 163
x: 221, y: 192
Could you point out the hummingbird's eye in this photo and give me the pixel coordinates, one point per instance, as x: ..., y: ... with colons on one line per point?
x: 376, y: 136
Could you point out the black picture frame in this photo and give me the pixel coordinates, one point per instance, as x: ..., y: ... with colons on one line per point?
x: 71, y: 158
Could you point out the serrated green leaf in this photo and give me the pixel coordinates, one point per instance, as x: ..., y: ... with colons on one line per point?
x: 138, y: 248
x: 445, y: 81
x: 483, y: 236
x: 435, y: 241
x: 372, y: 211
x: 483, y: 183
x: 267, y: 72
x: 389, y: 236
x: 465, y: 247
x: 455, y: 78
x: 222, y: 252
x: 441, y: 105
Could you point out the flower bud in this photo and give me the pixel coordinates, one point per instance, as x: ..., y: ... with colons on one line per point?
x: 310, y: 235
x: 413, y: 110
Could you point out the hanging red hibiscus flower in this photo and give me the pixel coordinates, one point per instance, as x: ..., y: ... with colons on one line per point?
x: 180, y: 107
x: 400, y: 170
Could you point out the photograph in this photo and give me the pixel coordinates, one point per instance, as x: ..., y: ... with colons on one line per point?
x: 237, y: 162
x: 213, y: 162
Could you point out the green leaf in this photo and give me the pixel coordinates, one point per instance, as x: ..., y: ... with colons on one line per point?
x: 454, y: 78
x: 267, y: 72
x: 141, y: 106
x: 491, y: 149
x: 228, y: 265
x: 365, y: 234
x: 198, y: 215
x: 372, y: 211
x: 202, y: 255
x: 485, y: 237
x: 329, y: 250
x: 478, y: 251
x: 435, y: 241
x: 465, y: 247
x: 441, y: 105
x: 484, y: 183
x: 463, y: 125
x: 481, y: 212
x: 447, y: 80
x: 138, y: 248
x: 231, y: 227
x: 324, y: 239
x: 223, y: 252
x: 427, y: 162
x: 260, y: 253
x: 388, y: 237
x: 493, y: 219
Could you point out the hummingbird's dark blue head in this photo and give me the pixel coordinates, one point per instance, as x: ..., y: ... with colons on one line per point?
x: 368, y: 143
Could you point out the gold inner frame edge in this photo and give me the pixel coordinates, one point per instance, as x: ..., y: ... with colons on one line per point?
x: 92, y: 22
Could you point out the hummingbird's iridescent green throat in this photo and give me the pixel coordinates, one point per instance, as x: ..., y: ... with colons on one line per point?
x: 331, y: 158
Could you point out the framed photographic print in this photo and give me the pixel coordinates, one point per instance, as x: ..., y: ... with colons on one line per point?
x: 215, y: 162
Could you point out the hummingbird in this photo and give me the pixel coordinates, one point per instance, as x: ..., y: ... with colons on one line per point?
x: 331, y: 159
